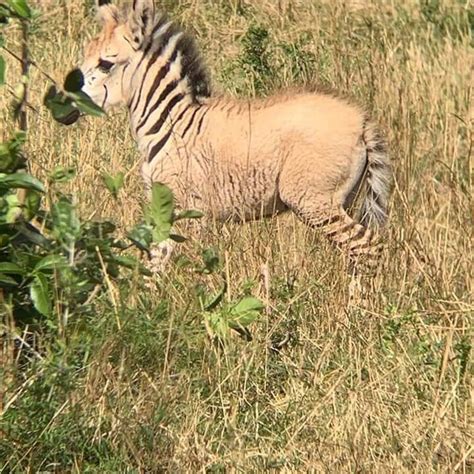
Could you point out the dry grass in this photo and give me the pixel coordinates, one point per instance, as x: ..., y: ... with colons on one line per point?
x: 381, y: 387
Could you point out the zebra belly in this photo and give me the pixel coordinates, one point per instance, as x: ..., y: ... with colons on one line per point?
x: 241, y: 194
x: 222, y: 191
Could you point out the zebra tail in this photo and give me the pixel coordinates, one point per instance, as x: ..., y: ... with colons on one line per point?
x: 374, y: 210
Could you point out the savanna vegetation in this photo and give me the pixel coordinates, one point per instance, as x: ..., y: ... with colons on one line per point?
x: 248, y: 354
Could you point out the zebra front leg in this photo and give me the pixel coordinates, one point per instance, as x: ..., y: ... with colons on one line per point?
x: 160, y: 256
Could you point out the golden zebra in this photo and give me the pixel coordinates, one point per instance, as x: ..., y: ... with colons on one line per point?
x: 308, y: 152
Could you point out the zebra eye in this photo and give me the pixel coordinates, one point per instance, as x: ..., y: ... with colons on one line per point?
x: 105, y: 66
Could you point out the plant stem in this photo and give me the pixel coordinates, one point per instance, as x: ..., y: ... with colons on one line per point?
x: 30, y: 63
x: 25, y: 69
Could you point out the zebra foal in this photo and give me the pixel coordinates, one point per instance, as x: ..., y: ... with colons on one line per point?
x: 307, y: 152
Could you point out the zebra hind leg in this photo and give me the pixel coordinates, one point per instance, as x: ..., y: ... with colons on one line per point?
x: 363, y: 248
x: 357, y: 241
x: 360, y: 243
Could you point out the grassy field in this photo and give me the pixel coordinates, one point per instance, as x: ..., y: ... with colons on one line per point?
x: 380, y: 386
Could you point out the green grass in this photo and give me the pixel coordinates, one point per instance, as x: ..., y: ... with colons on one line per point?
x: 136, y: 384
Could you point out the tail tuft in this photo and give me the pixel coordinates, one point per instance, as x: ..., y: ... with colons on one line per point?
x: 374, y: 211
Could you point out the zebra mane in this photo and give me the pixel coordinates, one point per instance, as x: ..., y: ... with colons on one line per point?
x: 193, y: 66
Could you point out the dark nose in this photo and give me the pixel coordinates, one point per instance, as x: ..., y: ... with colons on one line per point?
x: 74, y: 81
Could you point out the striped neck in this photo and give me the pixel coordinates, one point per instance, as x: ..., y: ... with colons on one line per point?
x: 167, y: 80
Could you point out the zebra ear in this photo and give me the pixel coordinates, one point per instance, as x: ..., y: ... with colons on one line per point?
x: 107, y: 13
x: 140, y: 20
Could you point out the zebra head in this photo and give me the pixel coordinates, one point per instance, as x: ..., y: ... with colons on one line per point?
x: 109, y: 55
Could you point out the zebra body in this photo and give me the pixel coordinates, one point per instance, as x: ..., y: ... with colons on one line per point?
x: 307, y: 152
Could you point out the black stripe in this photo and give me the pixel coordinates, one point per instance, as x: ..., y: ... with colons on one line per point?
x: 157, y: 81
x: 200, y: 123
x: 358, y: 249
x: 360, y: 234
x: 138, y: 95
x: 186, y: 130
x: 158, y: 146
x: 130, y: 44
x: 152, y: 61
x: 164, y: 94
x: 181, y: 115
x: 166, y: 112
x: 328, y: 221
x: 340, y: 230
x: 161, y: 22
x: 153, y: 58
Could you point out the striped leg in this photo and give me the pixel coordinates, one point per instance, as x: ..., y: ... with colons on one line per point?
x: 362, y: 247
x: 359, y: 242
x: 160, y: 255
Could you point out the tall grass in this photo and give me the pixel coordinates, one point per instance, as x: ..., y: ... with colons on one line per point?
x: 380, y: 386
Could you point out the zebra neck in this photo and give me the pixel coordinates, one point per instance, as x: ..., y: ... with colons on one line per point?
x: 168, y: 125
x: 167, y: 83
x: 161, y: 110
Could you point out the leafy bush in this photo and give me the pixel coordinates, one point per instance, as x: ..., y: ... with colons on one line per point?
x: 263, y: 65
x: 52, y: 263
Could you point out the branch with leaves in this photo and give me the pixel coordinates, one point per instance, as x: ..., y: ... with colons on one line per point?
x: 52, y: 263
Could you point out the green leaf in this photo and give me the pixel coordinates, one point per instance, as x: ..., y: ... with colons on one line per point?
x: 61, y: 106
x: 216, y: 299
x: 161, y: 232
x: 11, y: 157
x: 39, y: 293
x: 211, y: 261
x: 51, y: 262
x: 74, y: 81
x: 114, y: 183
x: 160, y: 212
x: 5, y: 14
x: 217, y: 325
x: 20, y: 8
x: 248, y: 303
x: 245, y: 312
x: 66, y: 225
x: 85, y: 104
x: 19, y: 91
x: 64, y: 113
x: 11, y: 268
x: 162, y: 204
x: 243, y: 320
x: 50, y: 95
x: 7, y: 281
x: 32, y: 204
x: 18, y: 140
x: 2, y: 71
x: 4, y: 239
x: 20, y: 180
x: 132, y: 263
x: 12, y: 208
x: 61, y: 174
x: 32, y: 235
x: 141, y: 236
x: 190, y: 214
